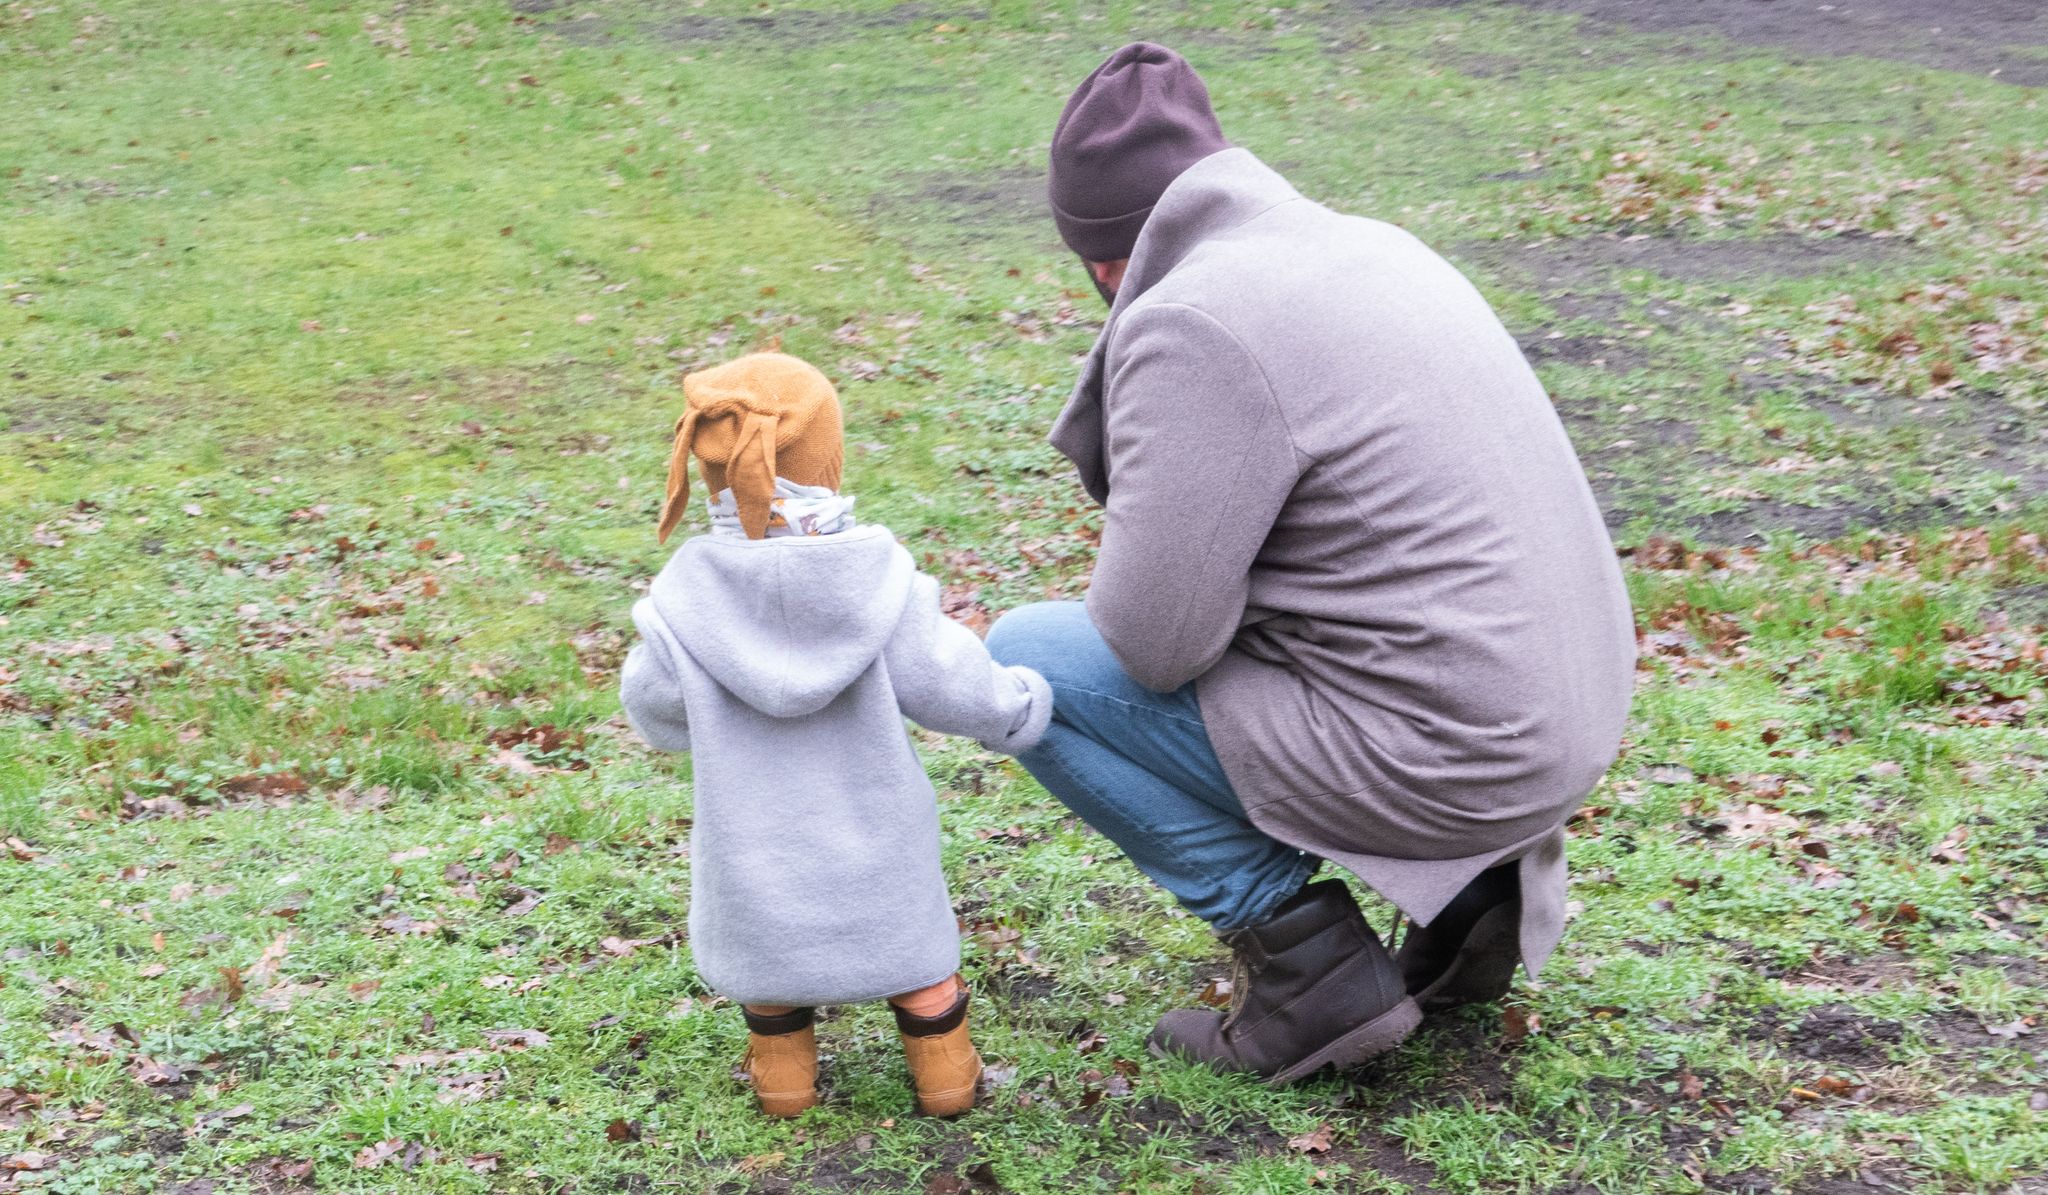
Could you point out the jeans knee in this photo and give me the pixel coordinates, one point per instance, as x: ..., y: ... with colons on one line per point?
x: 1051, y: 638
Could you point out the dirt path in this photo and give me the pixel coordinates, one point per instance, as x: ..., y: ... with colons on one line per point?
x: 2005, y: 39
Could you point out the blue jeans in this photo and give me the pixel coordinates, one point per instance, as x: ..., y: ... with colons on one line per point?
x: 1138, y: 767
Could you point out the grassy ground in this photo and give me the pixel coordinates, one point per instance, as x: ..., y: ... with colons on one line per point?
x: 339, y: 345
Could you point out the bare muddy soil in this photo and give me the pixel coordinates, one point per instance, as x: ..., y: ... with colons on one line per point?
x: 793, y: 27
x: 1565, y: 266
x: 2003, y: 39
x: 1612, y: 282
x: 1003, y: 199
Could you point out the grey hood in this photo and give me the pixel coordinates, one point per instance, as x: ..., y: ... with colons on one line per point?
x: 784, y: 625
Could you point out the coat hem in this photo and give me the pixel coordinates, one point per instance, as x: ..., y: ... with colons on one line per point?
x: 832, y: 998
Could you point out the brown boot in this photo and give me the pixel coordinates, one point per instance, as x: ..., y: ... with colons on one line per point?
x: 782, y: 1057
x: 1468, y: 954
x: 1311, y: 987
x: 943, y: 1064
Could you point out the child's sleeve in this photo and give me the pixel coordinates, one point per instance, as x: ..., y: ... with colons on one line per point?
x: 945, y: 680
x: 649, y: 690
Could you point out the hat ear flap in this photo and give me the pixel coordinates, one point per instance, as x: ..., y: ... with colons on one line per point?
x: 678, y: 477
x: 750, y: 474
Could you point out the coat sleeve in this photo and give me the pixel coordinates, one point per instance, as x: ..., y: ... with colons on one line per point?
x: 1200, y: 463
x: 650, y: 691
x: 945, y: 680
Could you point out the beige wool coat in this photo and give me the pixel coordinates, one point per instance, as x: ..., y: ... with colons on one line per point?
x: 1339, y: 502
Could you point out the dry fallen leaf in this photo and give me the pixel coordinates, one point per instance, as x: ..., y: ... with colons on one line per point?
x: 151, y: 1073
x: 1950, y: 848
x: 1689, y: 1085
x: 264, y: 784
x: 513, y: 761
x: 1315, y: 1142
x: 234, y: 1113
x: 516, y: 1039
x: 269, y: 961
x: 374, y: 1155
x: 761, y: 1163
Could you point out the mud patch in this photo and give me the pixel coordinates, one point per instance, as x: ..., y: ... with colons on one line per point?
x: 1383, y: 1156
x: 1568, y: 265
x: 1010, y: 201
x: 1884, y: 970
x: 2024, y: 606
x: 1601, y: 352
x: 1759, y: 519
x: 1999, y: 38
x: 1966, y: 446
x: 52, y: 415
x: 1872, y: 1179
x: 1962, y: 1029
x: 1370, y: 1152
x: 1469, y: 1065
x: 1833, y: 1034
x: 1837, y: 1034
x: 844, y: 1168
x: 794, y: 28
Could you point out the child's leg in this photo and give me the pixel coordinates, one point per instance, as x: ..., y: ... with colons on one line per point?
x: 943, y: 1063
x: 931, y: 1001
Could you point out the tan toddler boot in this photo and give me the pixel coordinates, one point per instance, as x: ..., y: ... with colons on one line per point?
x: 943, y: 1064
x: 782, y: 1058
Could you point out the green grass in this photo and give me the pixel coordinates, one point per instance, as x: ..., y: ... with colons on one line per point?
x: 337, y: 357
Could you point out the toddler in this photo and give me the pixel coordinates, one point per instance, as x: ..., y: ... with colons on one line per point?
x: 783, y: 650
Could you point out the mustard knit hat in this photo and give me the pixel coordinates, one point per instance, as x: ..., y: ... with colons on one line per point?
x: 749, y: 421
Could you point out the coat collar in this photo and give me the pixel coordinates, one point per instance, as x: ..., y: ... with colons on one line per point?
x: 1210, y: 198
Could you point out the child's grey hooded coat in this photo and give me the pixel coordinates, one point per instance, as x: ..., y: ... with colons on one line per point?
x: 786, y: 667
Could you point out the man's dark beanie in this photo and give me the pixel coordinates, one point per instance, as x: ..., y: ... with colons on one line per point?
x: 1129, y: 131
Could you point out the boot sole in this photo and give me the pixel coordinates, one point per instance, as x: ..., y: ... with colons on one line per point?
x: 1362, y: 1044
x: 947, y: 1105
x: 1484, y: 968
x: 783, y: 1107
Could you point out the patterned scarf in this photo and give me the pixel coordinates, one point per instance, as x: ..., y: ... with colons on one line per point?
x: 802, y: 510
